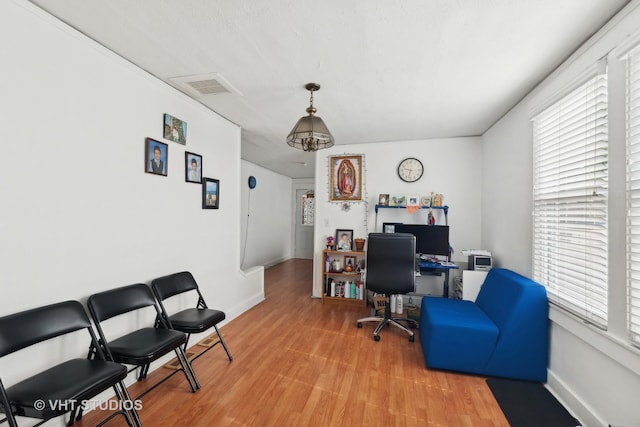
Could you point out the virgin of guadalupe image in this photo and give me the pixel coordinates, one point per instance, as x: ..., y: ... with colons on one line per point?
x: 346, y: 178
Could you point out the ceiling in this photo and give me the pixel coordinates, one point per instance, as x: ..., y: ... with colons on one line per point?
x: 389, y: 70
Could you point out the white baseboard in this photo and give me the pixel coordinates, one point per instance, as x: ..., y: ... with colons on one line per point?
x: 572, y: 403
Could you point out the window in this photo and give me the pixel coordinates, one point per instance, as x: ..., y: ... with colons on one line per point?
x: 633, y: 195
x: 570, y: 238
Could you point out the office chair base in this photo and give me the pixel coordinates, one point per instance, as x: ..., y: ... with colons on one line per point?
x: 384, y: 321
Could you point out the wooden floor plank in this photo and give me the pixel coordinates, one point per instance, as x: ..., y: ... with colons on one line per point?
x: 298, y: 362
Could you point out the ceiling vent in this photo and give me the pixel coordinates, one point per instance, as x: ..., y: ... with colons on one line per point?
x: 205, y: 85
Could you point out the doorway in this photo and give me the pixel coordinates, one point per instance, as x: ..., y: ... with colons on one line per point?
x: 304, y: 220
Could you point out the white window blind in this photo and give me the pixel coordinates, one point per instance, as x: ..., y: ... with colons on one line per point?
x: 570, y: 238
x: 633, y: 195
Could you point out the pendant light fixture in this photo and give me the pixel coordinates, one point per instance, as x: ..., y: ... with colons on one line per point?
x: 310, y: 133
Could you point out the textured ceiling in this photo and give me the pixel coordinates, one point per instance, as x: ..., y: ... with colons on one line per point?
x: 389, y: 69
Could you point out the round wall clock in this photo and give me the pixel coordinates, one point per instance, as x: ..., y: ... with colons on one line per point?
x: 410, y: 169
x: 252, y: 182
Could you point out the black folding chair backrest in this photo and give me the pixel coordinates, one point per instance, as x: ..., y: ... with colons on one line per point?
x: 67, y: 383
x: 105, y: 305
x: 24, y: 329
x: 174, y: 284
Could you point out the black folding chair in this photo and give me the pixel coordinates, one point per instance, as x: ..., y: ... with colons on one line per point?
x: 64, y: 387
x: 191, y: 320
x: 143, y: 346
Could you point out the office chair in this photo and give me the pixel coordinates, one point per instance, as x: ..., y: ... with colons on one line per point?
x: 191, y: 320
x: 391, y: 270
x: 143, y: 346
x: 62, y: 388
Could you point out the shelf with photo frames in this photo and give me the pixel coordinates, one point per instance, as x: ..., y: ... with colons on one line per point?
x: 349, y: 287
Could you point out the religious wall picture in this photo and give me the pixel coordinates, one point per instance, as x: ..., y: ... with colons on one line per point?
x: 346, y: 178
x: 193, y: 167
x: 155, y: 157
x: 175, y: 129
x: 210, y: 193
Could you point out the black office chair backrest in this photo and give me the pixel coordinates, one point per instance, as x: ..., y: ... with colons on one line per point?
x: 391, y: 263
x: 107, y: 304
x: 167, y: 286
x: 21, y: 330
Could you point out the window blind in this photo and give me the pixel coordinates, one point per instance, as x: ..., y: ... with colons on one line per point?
x: 570, y: 193
x: 633, y: 195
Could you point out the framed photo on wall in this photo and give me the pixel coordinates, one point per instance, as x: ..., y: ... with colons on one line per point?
x: 210, y: 193
x: 156, y: 154
x: 344, y: 240
x: 345, y: 177
x: 193, y: 167
x: 175, y: 129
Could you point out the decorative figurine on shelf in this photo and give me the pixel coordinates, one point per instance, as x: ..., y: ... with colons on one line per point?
x: 431, y: 220
x: 329, y: 242
x: 437, y: 200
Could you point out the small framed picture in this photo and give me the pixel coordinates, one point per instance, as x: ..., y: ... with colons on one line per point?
x: 210, y: 193
x: 390, y: 227
x: 350, y: 260
x: 413, y: 201
x: 398, y: 201
x: 344, y: 240
x: 193, y: 167
x: 383, y: 200
x: 156, y: 154
x: 175, y: 129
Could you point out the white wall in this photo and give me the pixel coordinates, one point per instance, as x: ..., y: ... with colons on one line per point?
x: 78, y: 213
x: 266, y: 213
x: 595, y: 373
x: 452, y: 168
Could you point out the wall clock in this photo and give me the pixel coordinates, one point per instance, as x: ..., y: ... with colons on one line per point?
x: 410, y: 169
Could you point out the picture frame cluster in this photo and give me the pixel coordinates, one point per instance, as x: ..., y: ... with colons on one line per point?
x: 156, y: 161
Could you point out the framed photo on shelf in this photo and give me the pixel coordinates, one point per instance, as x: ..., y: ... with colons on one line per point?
x: 193, y: 167
x: 398, y: 201
x: 346, y: 178
x: 175, y: 129
x: 210, y: 193
x: 156, y: 154
x: 383, y: 200
x: 352, y: 261
x: 344, y: 240
x: 413, y: 201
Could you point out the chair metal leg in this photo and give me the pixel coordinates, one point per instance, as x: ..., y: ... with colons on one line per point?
x: 223, y: 343
x: 188, y: 370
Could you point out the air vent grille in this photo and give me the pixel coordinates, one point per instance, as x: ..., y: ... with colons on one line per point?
x: 202, y: 85
x: 208, y: 87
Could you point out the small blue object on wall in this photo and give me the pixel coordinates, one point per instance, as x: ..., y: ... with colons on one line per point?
x: 252, y: 182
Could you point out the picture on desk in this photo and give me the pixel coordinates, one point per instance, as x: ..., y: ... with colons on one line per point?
x: 390, y: 227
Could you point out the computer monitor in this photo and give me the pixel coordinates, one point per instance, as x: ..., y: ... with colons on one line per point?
x: 430, y: 239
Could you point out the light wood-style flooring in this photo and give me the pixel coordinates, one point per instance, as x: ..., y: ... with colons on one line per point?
x: 298, y: 362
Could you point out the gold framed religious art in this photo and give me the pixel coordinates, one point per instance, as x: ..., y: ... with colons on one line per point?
x: 345, y: 178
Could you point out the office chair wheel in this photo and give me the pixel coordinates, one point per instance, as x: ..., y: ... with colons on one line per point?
x: 376, y: 337
x: 412, y: 338
x: 359, y: 324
